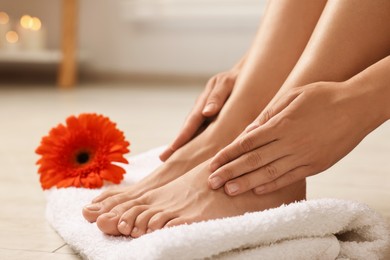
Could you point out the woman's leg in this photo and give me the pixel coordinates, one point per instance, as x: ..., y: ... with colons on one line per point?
x: 348, y: 38
x: 281, y: 39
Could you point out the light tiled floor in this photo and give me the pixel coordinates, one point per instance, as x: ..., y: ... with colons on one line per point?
x: 150, y: 116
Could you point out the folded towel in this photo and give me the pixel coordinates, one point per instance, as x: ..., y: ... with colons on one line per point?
x: 316, y: 229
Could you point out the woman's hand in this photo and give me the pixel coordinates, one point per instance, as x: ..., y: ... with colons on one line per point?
x: 208, y: 105
x: 301, y: 133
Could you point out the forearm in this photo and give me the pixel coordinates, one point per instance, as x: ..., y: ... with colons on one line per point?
x: 373, y: 86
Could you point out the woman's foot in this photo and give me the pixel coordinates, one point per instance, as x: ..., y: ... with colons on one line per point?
x: 245, y: 103
x: 204, y: 146
x: 188, y: 199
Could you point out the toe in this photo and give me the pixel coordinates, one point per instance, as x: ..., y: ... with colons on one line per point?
x: 93, y: 211
x: 141, y: 222
x: 105, y: 223
x: 127, y: 220
x: 177, y: 222
x: 159, y: 220
x: 109, y: 222
x: 109, y: 193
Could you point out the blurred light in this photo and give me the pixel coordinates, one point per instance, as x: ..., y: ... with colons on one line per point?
x: 26, y: 21
x: 36, y: 24
x: 12, y: 37
x: 4, y: 18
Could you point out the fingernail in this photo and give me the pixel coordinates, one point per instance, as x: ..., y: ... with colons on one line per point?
x: 259, y: 190
x: 232, y: 188
x: 110, y: 215
x: 209, y: 108
x: 215, y: 182
x: 93, y: 207
x: 149, y: 231
x: 214, y: 166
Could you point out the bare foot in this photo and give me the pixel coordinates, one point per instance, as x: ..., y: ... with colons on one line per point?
x: 188, y: 199
x: 201, y: 148
x: 231, y: 121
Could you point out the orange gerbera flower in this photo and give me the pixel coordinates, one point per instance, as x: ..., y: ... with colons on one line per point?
x: 81, y: 153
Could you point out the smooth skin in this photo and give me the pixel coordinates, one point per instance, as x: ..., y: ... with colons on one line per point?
x: 207, y: 106
x: 188, y: 199
x: 295, y: 136
x: 257, y: 83
x: 301, y: 138
x: 280, y: 40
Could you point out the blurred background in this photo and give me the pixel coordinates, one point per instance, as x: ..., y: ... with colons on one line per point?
x: 142, y: 63
x: 127, y: 39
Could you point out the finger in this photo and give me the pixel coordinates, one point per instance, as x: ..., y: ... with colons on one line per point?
x: 191, y: 125
x: 194, y: 121
x: 166, y: 154
x: 286, y: 179
x: 263, y: 175
x: 274, y: 108
x: 243, y: 144
x: 189, y: 129
x: 218, y: 96
x: 246, y: 163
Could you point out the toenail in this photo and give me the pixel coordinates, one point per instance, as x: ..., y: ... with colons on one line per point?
x: 93, y: 207
x: 149, y: 230
x: 232, y: 188
x: 216, y: 182
x: 122, y: 226
x: 110, y: 215
x: 135, y: 230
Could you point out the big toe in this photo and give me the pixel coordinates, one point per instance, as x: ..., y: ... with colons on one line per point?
x: 108, y: 223
x: 92, y: 212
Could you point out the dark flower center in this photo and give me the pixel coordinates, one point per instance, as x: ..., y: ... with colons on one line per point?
x: 82, y: 157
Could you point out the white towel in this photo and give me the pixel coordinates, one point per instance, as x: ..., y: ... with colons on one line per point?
x: 317, y: 229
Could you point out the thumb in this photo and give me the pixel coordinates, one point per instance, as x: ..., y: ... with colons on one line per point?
x: 272, y: 109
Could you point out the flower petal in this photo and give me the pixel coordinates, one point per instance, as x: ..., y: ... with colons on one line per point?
x: 117, y: 157
x: 113, y: 173
x: 92, y: 132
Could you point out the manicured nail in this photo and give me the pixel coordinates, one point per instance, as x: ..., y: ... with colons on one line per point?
x: 260, y: 189
x: 216, y: 182
x: 93, y: 207
x: 232, y: 187
x: 209, y: 108
x: 110, y: 215
x: 149, y: 231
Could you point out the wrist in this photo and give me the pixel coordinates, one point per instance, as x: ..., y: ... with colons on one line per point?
x: 371, y: 99
x: 375, y: 81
